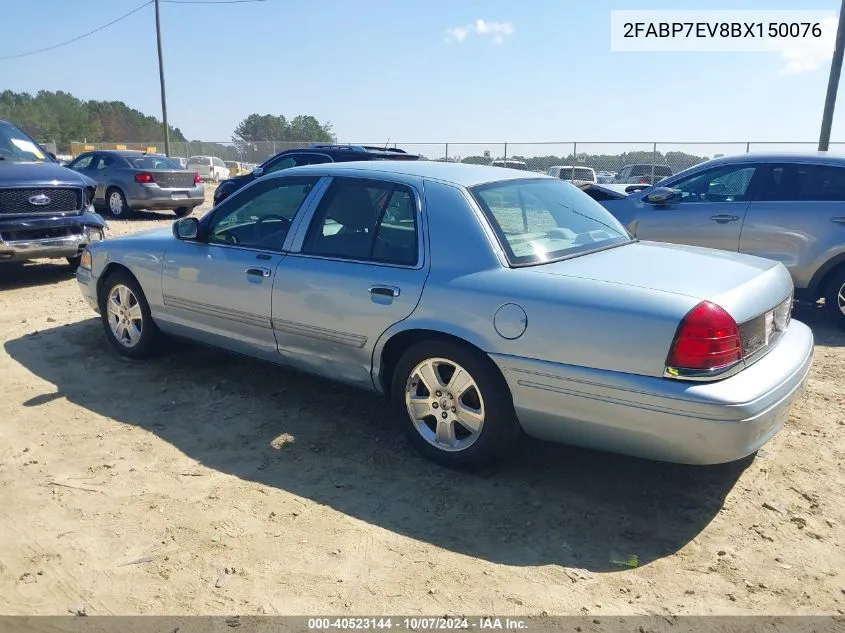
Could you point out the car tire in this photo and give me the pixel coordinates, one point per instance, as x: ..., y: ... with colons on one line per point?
x: 834, y: 298
x: 183, y: 212
x: 116, y: 203
x: 74, y: 262
x: 126, y: 317
x: 478, y: 437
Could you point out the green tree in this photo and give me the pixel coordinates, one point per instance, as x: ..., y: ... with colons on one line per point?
x: 61, y: 117
x: 257, y: 128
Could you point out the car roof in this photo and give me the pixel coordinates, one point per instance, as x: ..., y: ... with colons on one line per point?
x: 570, y: 167
x: 781, y: 157
x: 335, y: 148
x: 462, y: 174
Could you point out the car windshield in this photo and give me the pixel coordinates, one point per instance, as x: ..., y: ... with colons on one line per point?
x: 539, y: 221
x: 199, y: 160
x: 18, y: 147
x: 153, y: 162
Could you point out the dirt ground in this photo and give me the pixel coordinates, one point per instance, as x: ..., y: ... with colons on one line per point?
x: 202, y: 483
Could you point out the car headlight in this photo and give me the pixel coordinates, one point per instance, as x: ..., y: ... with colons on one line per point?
x: 85, y: 260
x: 95, y: 234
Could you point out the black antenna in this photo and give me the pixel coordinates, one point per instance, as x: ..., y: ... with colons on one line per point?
x: 387, y: 144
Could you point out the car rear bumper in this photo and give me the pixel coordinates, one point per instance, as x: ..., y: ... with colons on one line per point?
x: 24, y: 239
x: 154, y: 197
x: 661, y: 418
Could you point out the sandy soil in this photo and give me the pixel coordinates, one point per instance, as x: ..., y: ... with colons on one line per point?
x: 202, y: 483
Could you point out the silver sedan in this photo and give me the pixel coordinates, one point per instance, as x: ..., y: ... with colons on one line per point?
x: 482, y: 302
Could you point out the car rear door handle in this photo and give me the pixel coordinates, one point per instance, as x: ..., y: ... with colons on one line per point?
x: 258, y: 271
x: 724, y: 218
x: 839, y: 220
x: 384, y: 291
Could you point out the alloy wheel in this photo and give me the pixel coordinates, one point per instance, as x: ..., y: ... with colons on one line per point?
x: 445, y: 404
x: 124, y: 315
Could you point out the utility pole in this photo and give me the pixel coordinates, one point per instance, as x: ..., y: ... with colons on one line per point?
x: 161, y: 81
x: 832, y: 82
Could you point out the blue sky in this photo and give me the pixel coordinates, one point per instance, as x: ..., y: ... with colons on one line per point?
x: 377, y: 69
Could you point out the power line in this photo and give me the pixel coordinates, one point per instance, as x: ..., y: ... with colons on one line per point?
x: 79, y: 37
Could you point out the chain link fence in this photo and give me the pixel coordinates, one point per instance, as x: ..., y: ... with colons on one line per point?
x: 605, y: 159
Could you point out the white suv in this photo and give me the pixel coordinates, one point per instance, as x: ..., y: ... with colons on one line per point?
x: 209, y: 167
x: 575, y: 175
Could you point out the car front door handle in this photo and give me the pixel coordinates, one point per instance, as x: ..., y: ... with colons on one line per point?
x: 724, y: 218
x: 839, y: 220
x: 258, y: 271
x: 384, y: 291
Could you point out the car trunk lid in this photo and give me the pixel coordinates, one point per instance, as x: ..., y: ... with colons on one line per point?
x: 172, y: 178
x: 745, y: 286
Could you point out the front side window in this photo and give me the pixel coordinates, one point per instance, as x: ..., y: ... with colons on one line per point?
x: 83, y: 162
x: 365, y: 220
x: 723, y: 184
x: 261, y: 217
x: 539, y: 221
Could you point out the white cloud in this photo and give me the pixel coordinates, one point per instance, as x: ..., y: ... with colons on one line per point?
x: 811, y: 54
x: 496, y: 30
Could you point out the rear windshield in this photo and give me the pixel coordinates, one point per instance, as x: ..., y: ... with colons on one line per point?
x: 152, y: 162
x: 579, y: 173
x: 510, y: 164
x: 199, y: 160
x: 645, y: 170
x: 540, y: 221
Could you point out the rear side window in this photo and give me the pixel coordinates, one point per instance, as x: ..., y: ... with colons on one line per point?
x: 218, y: 162
x: 819, y: 183
x: 365, y: 220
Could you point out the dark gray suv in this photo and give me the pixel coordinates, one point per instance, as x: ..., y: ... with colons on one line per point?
x: 786, y: 207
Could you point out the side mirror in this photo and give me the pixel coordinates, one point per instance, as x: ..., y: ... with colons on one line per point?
x: 258, y: 172
x: 661, y: 195
x: 186, y: 229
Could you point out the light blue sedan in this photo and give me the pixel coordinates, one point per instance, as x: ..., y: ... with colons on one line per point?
x: 482, y: 301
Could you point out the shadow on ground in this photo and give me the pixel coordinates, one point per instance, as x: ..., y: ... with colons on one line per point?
x: 824, y: 330
x: 547, y: 504
x: 40, y: 273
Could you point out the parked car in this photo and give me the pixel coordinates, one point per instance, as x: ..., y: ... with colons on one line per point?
x: 129, y: 180
x: 209, y: 168
x: 313, y: 155
x: 605, y: 176
x: 642, y: 174
x: 45, y: 208
x: 235, y: 168
x: 575, y: 175
x: 786, y: 207
x: 510, y: 164
x: 601, y: 192
x: 552, y: 320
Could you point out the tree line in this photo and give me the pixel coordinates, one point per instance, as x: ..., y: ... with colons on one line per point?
x: 62, y: 118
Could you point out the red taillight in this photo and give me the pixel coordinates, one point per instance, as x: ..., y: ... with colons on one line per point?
x: 197, y: 179
x: 708, y: 338
x: 643, y: 181
x: 144, y: 177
